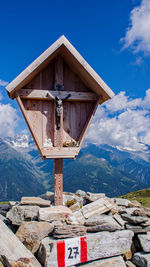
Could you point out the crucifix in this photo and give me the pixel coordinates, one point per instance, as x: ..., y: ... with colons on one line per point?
x: 58, y: 95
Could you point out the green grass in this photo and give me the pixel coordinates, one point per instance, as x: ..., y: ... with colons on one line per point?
x: 5, y: 202
x: 142, y: 196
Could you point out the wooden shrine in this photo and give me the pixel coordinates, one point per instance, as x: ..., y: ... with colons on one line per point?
x: 58, y: 95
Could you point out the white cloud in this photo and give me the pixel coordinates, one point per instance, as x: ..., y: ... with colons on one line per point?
x: 138, y: 33
x: 8, y: 120
x: 122, y: 122
x: 3, y: 83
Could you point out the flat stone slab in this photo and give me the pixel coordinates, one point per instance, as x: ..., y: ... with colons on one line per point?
x: 66, y: 231
x: 18, y: 214
x: 110, y: 262
x: 88, y: 248
x: 54, y: 213
x: 99, y: 206
x: 122, y: 202
x: 35, y: 201
x: 145, y: 242
x: 134, y: 219
x: 138, y: 228
x: 93, y: 196
x: 141, y: 259
x: 102, y: 223
x: 11, y: 249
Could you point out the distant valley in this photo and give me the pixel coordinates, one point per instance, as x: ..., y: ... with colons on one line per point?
x: 97, y: 169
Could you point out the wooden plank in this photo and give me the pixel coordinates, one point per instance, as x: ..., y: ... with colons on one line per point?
x: 48, y: 77
x: 58, y: 181
x: 59, y: 70
x: 65, y: 152
x: 34, y: 112
x: 88, y: 121
x: 42, y: 94
x: 48, y: 123
x: 28, y: 123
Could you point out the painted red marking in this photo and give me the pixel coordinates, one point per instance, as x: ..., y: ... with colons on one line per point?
x: 61, y: 253
x: 83, y: 249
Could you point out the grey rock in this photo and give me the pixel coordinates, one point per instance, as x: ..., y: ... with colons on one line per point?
x: 137, y: 228
x: 145, y: 242
x: 11, y: 249
x: 75, y: 207
x: 141, y: 259
x: 76, y: 218
x: 30, y: 233
x: 93, y: 196
x: 80, y: 193
x: 35, y: 201
x: 48, y: 196
x: 18, y: 214
x: 99, y: 206
x: 110, y: 262
x: 102, y: 223
x: 69, y: 231
x: 134, y: 219
x: 130, y: 264
x: 2, y: 218
x: 70, y: 197
x: 134, y: 203
x: 54, y: 213
x: 122, y: 202
x: 99, y: 245
x: 118, y: 219
x: 130, y: 211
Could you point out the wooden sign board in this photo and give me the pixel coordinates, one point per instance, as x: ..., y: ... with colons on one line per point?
x: 58, y: 95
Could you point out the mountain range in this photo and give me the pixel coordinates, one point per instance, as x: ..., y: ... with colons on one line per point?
x: 100, y: 168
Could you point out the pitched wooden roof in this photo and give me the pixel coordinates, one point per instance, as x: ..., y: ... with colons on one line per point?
x: 76, y: 62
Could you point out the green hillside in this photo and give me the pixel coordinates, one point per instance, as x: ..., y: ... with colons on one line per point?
x: 142, y: 196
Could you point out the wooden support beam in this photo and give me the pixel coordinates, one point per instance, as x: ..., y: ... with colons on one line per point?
x: 58, y: 182
x: 51, y: 94
x: 58, y: 137
x: 64, y: 152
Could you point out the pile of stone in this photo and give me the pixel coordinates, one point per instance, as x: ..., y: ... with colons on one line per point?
x: 110, y: 231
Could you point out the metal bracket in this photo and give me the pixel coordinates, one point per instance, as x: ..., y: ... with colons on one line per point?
x: 58, y: 87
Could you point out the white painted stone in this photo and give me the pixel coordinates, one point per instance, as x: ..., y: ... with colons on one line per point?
x: 99, y: 245
x: 13, y: 249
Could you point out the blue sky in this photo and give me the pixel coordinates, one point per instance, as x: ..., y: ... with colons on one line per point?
x: 114, y: 38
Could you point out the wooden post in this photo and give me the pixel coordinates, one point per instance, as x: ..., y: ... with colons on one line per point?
x: 58, y: 139
x: 58, y: 182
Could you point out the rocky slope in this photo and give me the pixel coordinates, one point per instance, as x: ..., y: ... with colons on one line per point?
x: 87, y: 228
